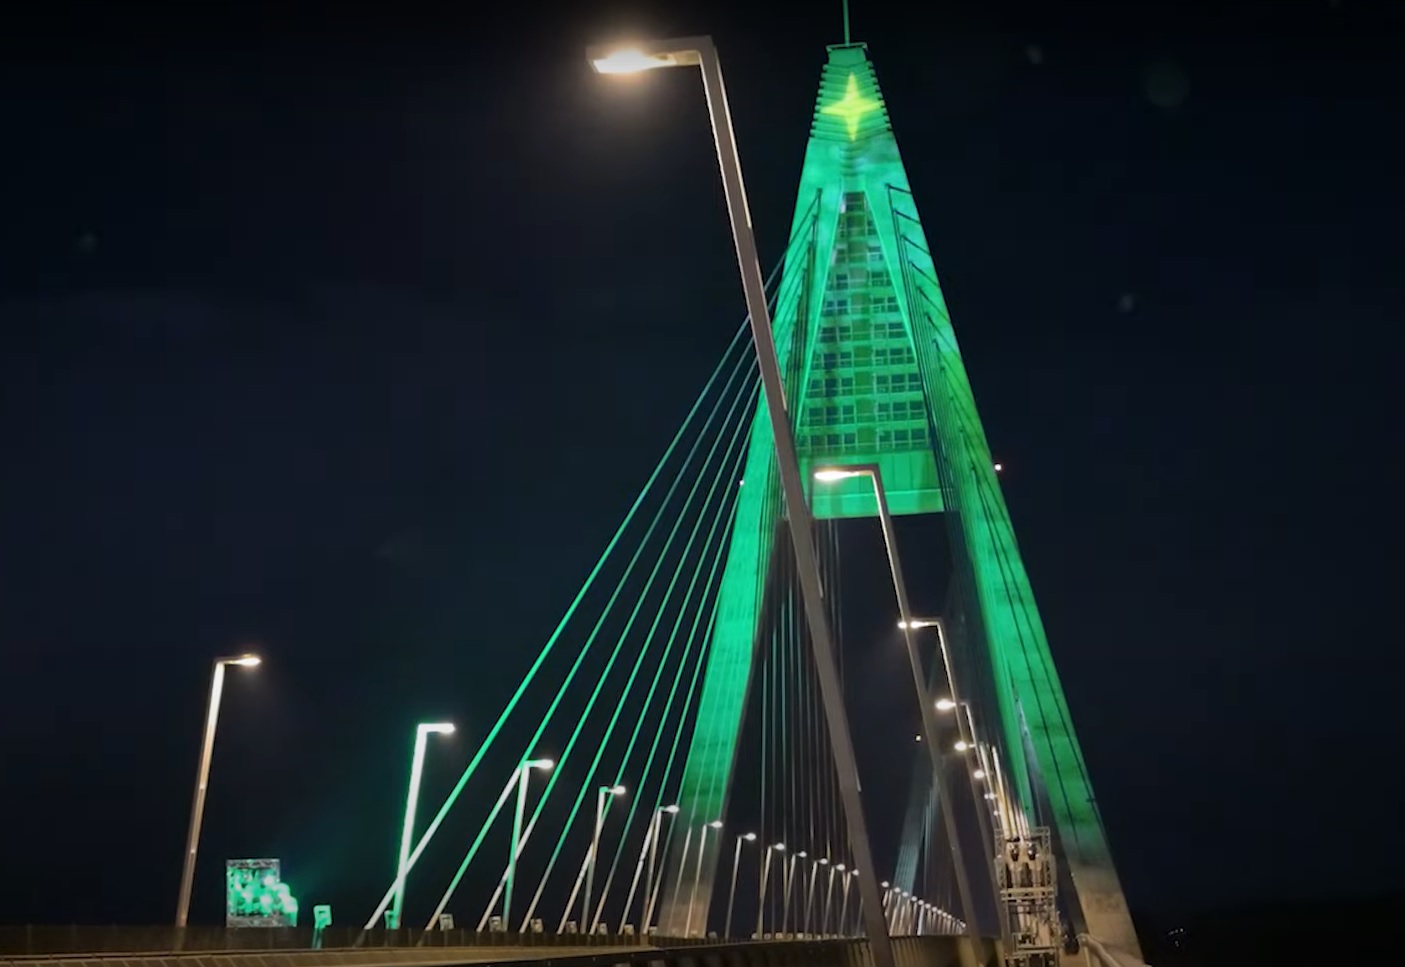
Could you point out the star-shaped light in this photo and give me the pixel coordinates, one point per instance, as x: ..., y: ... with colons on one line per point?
x: 852, y: 106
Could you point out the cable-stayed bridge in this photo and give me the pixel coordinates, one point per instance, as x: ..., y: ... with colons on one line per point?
x: 703, y: 749
x: 675, y: 767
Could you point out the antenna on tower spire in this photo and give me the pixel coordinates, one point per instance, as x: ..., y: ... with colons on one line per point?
x: 845, y: 5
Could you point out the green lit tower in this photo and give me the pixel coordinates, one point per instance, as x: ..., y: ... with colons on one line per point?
x: 874, y: 375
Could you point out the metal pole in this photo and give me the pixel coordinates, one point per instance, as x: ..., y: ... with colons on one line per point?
x: 963, y: 712
x: 828, y: 895
x: 924, y: 701
x: 761, y: 895
x: 732, y: 891
x: 522, y: 773
x: 197, y: 808
x: 697, y: 876
x: 639, y: 869
x: 789, y: 878
x: 411, y: 802
x: 594, y: 851
x: 677, y: 880
x: 754, y: 286
x: 655, y: 876
x: 810, y: 897
x: 844, y: 907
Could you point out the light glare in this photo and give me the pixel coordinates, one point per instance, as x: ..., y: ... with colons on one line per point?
x: 628, y: 61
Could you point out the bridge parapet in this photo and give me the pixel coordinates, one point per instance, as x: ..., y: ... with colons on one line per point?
x: 76, y: 941
x: 557, y: 951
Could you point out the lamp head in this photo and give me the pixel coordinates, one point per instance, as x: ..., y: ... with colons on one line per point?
x: 749, y: 837
x: 671, y: 809
x: 439, y: 728
x: 636, y: 58
x: 618, y: 790
x: 961, y: 745
x: 715, y: 824
x: 542, y: 764
x: 246, y: 660
x: 978, y: 774
x: 945, y: 704
x: 779, y: 847
x: 917, y: 624
x: 839, y: 867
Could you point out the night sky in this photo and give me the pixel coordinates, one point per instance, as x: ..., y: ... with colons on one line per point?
x: 352, y: 337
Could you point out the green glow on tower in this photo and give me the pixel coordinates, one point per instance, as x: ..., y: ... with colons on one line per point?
x: 852, y: 107
x: 874, y: 375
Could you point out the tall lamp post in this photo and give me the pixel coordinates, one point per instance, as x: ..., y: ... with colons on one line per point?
x: 732, y: 892
x: 765, y: 882
x: 919, y: 680
x: 697, y: 874
x: 655, y: 879
x: 700, y: 52
x: 412, y: 799
x: 202, y: 779
x: 523, y: 771
x: 603, y: 795
x: 978, y: 769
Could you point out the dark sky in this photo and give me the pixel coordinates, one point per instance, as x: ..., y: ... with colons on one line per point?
x: 354, y: 335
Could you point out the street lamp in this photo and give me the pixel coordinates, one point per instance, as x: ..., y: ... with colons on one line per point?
x: 732, y: 891
x: 976, y: 765
x: 919, y: 681
x: 697, y: 875
x: 202, y: 778
x: 761, y: 893
x: 603, y: 795
x: 523, y: 771
x: 649, y: 850
x: 422, y: 733
x: 702, y: 53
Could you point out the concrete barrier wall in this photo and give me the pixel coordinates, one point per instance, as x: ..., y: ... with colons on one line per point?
x: 464, y: 947
x: 32, y: 941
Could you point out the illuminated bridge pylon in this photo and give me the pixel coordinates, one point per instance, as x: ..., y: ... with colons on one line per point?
x: 663, y: 763
x: 874, y: 376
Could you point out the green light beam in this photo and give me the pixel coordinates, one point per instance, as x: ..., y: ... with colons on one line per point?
x: 729, y: 472
x: 488, y: 740
x: 742, y: 364
x: 619, y: 644
x: 708, y: 594
x: 472, y: 851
